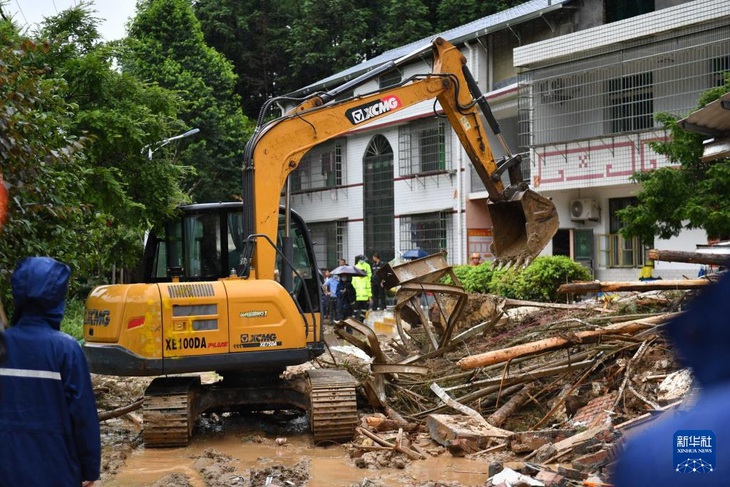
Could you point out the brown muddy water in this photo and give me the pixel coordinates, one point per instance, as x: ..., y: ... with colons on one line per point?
x: 243, y: 450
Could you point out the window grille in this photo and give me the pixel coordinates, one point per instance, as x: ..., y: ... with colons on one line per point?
x: 424, y: 147
x: 425, y: 231
x: 630, y: 103
x: 341, y: 239
x: 328, y: 241
x: 389, y: 79
x: 320, y: 168
x: 620, y: 90
x: 378, y: 198
x: 719, y: 70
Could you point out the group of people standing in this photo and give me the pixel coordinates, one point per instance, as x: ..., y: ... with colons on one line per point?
x: 348, y: 295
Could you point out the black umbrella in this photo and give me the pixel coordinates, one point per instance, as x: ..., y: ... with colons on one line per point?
x: 348, y: 270
x: 414, y: 254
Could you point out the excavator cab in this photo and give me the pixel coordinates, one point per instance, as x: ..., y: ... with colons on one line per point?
x: 190, y: 292
x: 205, y: 242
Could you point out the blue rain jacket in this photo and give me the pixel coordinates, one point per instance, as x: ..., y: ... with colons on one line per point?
x: 656, y: 455
x: 49, y: 429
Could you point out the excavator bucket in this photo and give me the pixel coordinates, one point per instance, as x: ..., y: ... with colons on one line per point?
x: 521, y: 227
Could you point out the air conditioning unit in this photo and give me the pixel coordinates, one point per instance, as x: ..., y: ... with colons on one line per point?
x: 556, y: 90
x: 584, y: 209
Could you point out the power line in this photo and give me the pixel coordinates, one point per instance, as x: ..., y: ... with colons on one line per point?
x: 21, y: 12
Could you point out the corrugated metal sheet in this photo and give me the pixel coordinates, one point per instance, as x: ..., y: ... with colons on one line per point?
x: 515, y: 15
x: 713, y: 119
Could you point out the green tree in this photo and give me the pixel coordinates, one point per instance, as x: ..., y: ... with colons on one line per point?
x: 692, y: 194
x: 122, y: 116
x: 73, y: 129
x: 405, y: 21
x: 281, y: 46
x: 253, y: 34
x: 328, y: 36
x: 453, y: 13
x: 166, y: 46
x: 43, y: 167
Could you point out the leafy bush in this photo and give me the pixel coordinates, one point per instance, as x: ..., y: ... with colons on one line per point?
x: 461, y: 272
x: 474, y: 279
x: 541, y: 279
x: 503, y: 283
x: 73, y: 319
x: 478, y: 278
x: 538, y: 282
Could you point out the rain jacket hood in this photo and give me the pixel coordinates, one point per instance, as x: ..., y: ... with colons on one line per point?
x: 39, y: 290
x: 49, y: 427
x: 701, y: 335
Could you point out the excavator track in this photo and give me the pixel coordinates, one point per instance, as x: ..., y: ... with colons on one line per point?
x: 168, y: 414
x: 333, y: 405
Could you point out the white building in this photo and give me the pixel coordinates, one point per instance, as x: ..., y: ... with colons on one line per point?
x: 575, y: 86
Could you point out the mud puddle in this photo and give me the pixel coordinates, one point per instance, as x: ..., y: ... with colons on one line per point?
x: 248, y: 450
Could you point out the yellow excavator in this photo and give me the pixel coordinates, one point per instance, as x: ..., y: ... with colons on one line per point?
x: 234, y: 288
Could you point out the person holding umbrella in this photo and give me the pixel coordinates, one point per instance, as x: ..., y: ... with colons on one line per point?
x: 345, y: 293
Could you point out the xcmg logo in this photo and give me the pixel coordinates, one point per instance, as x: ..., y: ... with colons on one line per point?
x: 363, y: 113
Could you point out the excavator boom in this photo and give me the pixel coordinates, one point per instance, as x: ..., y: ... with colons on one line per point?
x: 211, y: 299
x: 523, y: 221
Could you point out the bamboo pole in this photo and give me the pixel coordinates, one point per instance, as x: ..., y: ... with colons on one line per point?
x: 618, y: 286
x: 691, y: 257
x: 553, y: 343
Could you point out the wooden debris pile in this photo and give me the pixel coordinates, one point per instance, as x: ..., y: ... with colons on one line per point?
x: 535, y: 389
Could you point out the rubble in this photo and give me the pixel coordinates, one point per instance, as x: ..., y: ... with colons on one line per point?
x: 554, y: 387
x: 543, y: 393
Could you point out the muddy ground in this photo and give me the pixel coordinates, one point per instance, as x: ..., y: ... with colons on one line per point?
x: 244, y: 449
x: 265, y: 449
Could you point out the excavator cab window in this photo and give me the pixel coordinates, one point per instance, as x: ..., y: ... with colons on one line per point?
x: 307, y: 281
x: 191, y: 246
x: 205, y: 242
x: 202, y: 249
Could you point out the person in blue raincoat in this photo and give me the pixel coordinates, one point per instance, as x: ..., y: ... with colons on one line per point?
x: 49, y: 428
x: 689, y: 447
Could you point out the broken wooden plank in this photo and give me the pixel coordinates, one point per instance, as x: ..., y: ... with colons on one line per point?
x: 513, y: 303
x: 526, y: 377
x: 477, y: 329
x: 407, y: 451
x: 582, y: 287
x: 466, y: 410
x: 689, y: 257
x: 591, y: 336
x: 115, y: 413
x: 399, y: 369
x: 650, y: 416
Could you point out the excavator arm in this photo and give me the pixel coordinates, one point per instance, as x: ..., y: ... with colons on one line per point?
x: 523, y: 221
